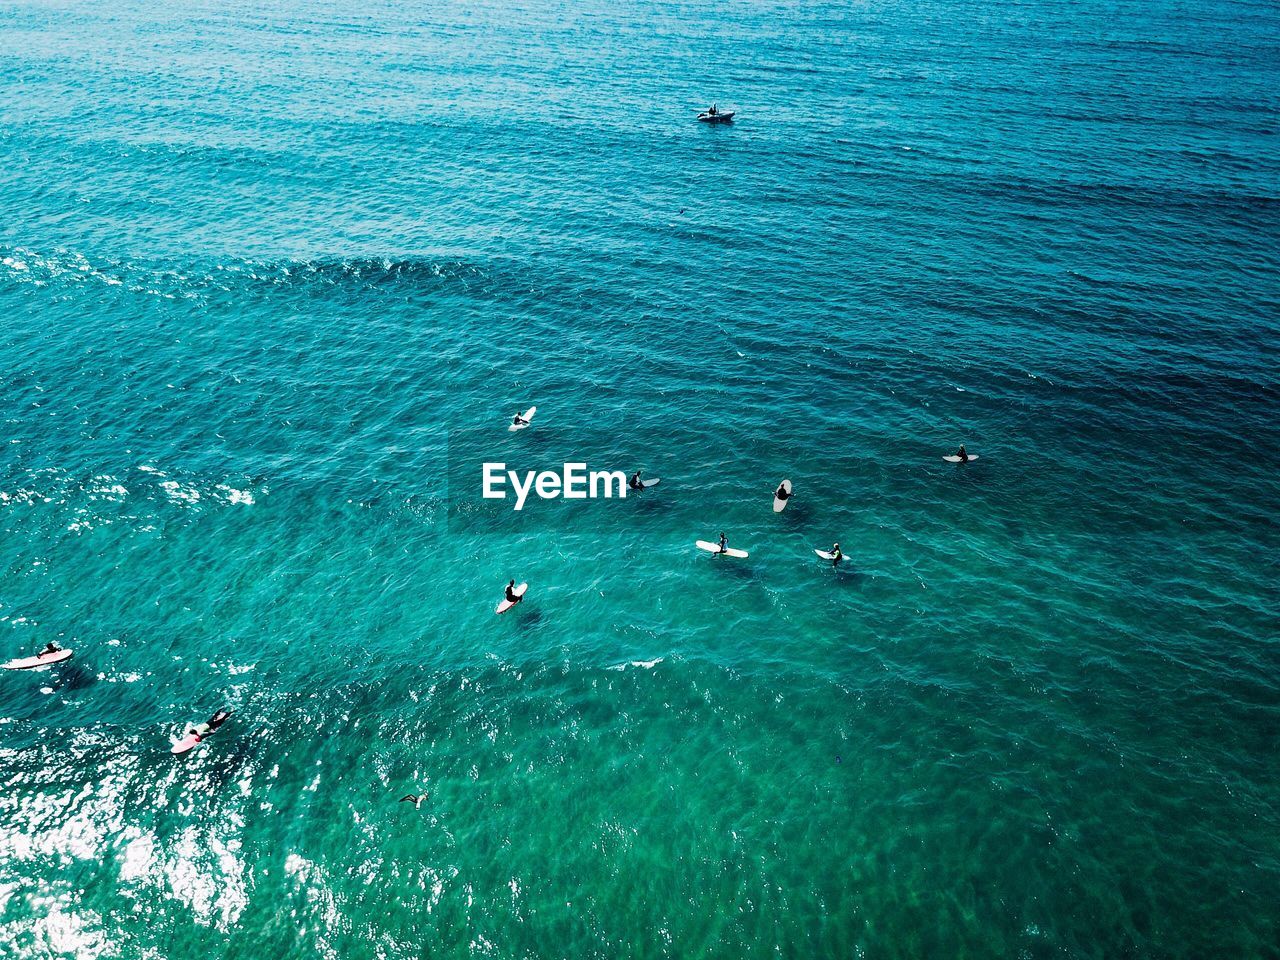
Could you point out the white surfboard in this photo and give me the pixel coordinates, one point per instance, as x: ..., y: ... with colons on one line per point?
x: 186, y: 743
x: 193, y: 738
x: 198, y: 733
x: 646, y: 484
x: 39, y: 660
x: 825, y: 554
x: 780, y: 504
x: 955, y: 459
x: 715, y: 548
x: 506, y: 604
x: 527, y: 415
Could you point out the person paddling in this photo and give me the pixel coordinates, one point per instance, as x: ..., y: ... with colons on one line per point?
x: 50, y: 649
x: 200, y: 731
x: 414, y: 798
x: 518, y: 421
x: 512, y: 596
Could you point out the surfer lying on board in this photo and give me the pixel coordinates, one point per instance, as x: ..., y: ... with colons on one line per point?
x: 518, y: 421
x: 415, y: 799
x: 202, y: 730
x: 836, y: 555
x: 50, y: 648
x: 962, y: 454
x: 782, y: 493
x: 512, y: 596
x: 635, y: 483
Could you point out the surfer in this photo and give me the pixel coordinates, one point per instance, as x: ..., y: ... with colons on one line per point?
x: 518, y: 421
x: 635, y: 483
x: 724, y: 542
x: 202, y: 730
x: 416, y: 800
x: 836, y: 555
x: 962, y: 454
x: 782, y: 493
x: 512, y: 596
x: 50, y: 648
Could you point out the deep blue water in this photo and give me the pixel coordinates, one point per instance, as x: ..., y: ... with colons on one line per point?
x: 273, y: 280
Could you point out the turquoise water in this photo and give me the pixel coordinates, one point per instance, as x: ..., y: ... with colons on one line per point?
x: 274, y: 279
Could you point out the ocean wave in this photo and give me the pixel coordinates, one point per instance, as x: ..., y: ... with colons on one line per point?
x: 195, y: 280
x: 105, y: 497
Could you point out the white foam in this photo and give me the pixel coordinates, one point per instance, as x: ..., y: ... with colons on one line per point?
x: 138, y: 856
x: 178, y: 493
x: 236, y: 496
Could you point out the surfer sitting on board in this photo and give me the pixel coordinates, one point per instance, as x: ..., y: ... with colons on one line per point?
x: 962, y: 454
x: 836, y: 555
x: 512, y: 596
x: 518, y: 421
x: 782, y: 493
x: 724, y: 542
x: 635, y: 483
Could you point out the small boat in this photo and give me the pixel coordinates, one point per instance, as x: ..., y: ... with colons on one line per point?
x: 720, y: 116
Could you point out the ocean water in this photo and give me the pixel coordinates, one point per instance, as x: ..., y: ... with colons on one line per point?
x: 273, y: 279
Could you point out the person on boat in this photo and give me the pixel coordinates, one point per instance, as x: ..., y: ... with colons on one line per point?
x: 724, y: 542
x: 836, y: 555
x: 635, y: 483
x: 50, y: 648
x: 517, y: 420
x: 782, y: 493
x: 713, y: 110
x: 512, y: 596
x: 962, y: 454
